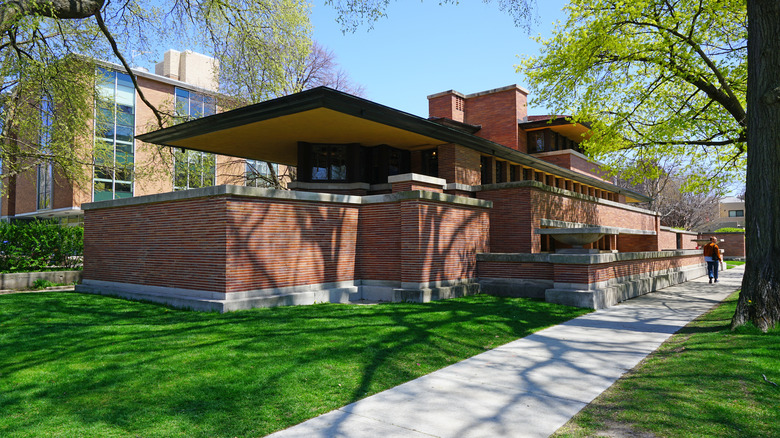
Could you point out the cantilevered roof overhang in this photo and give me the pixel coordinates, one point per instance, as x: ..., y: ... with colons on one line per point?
x: 271, y: 131
x: 560, y: 124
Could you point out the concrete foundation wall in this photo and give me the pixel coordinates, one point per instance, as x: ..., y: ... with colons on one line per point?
x: 26, y: 280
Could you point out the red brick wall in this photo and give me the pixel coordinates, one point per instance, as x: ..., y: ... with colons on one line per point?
x: 637, y: 242
x: 498, y: 113
x: 379, y: 242
x: 440, y: 242
x: 575, y: 163
x: 174, y: 244
x: 667, y: 239
x: 733, y: 244
x: 534, y: 271
x: 458, y: 164
x: 406, y: 186
x: 511, y: 220
x: 274, y: 243
x: 582, y: 274
x: 517, y: 213
x: 232, y: 244
x: 444, y: 105
x: 567, y: 273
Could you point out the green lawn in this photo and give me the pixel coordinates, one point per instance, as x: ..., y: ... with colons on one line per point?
x: 85, y: 365
x: 705, y: 381
x: 732, y: 263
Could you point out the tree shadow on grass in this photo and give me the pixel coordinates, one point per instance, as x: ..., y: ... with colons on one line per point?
x: 93, y: 365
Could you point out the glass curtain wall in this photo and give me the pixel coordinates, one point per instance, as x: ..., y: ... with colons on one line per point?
x: 45, y: 173
x: 114, y: 136
x: 193, y: 169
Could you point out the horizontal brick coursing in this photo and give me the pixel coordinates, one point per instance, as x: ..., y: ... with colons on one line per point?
x: 458, y: 164
x: 582, y: 274
x: 407, y: 186
x: 379, y: 243
x: 667, y: 240
x: 517, y: 213
x: 235, y: 244
x: 565, y: 273
x: 180, y: 244
x: 272, y: 244
x: 511, y: 270
x: 440, y: 242
x: 733, y: 244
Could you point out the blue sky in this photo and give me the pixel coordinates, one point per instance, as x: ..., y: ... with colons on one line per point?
x: 422, y: 48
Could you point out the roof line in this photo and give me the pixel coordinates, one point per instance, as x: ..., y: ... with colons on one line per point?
x: 324, y: 97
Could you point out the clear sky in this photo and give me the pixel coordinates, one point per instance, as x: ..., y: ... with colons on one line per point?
x: 422, y: 48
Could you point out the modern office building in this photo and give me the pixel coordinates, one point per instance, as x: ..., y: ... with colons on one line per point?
x: 124, y: 167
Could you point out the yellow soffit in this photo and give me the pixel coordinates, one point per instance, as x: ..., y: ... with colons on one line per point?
x: 276, y: 139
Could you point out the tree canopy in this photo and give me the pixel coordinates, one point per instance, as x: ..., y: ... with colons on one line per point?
x: 47, y: 50
x: 653, y: 78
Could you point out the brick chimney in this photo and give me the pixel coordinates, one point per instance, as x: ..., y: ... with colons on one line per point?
x: 498, y: 111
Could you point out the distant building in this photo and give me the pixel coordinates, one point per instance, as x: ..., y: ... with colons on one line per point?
x: 731, y: 214
x: 185, y: 81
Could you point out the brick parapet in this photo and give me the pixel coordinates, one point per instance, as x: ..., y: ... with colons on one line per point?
x: 584, y: 271
x: 244, y: 240
x: 520, y: 207
x: 733, y: 245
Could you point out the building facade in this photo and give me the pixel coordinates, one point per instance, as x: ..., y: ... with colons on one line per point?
x: 387, y: 206
x: 124, y: 167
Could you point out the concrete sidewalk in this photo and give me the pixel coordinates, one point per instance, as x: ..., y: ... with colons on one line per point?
x: 532, y: 386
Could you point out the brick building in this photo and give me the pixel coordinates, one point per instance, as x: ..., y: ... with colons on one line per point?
x: 387, y: 206
x: 183, y: 81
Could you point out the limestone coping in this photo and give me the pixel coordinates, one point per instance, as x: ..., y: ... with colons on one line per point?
x: 579, y: 230
x: 461, y: 187
x: 568, y: 226
x: 289, y: 195
x: 416, y: 177
x: 678, y: 231
x: 584, y: 259
x: 564, y: 192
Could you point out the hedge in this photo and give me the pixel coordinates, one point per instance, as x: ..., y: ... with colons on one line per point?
x: 40, y: 246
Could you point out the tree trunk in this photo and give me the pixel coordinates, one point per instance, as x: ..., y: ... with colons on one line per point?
x: 759, y: 301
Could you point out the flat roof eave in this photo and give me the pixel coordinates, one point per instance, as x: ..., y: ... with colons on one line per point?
x: 271, y: 130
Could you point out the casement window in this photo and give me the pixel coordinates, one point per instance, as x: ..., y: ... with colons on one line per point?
x: 329, y: 162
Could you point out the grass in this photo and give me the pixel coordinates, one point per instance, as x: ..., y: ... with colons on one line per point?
x: 732, y: 263
x: 86, y: 365
x: 704, y: 381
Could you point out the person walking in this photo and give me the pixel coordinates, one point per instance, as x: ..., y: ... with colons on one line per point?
x: 712, y: 257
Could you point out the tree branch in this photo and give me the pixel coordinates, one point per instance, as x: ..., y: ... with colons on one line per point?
x: 118, y: 54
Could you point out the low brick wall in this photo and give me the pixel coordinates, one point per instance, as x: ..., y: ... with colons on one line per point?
x: 521, y: 206
x: 230, y: 247
x: 733, y: 245
x: 587, y: 280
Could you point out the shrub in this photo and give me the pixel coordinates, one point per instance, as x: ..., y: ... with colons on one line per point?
x: 730, y: 230
x: 42, y: 284
x: 40, y: 246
